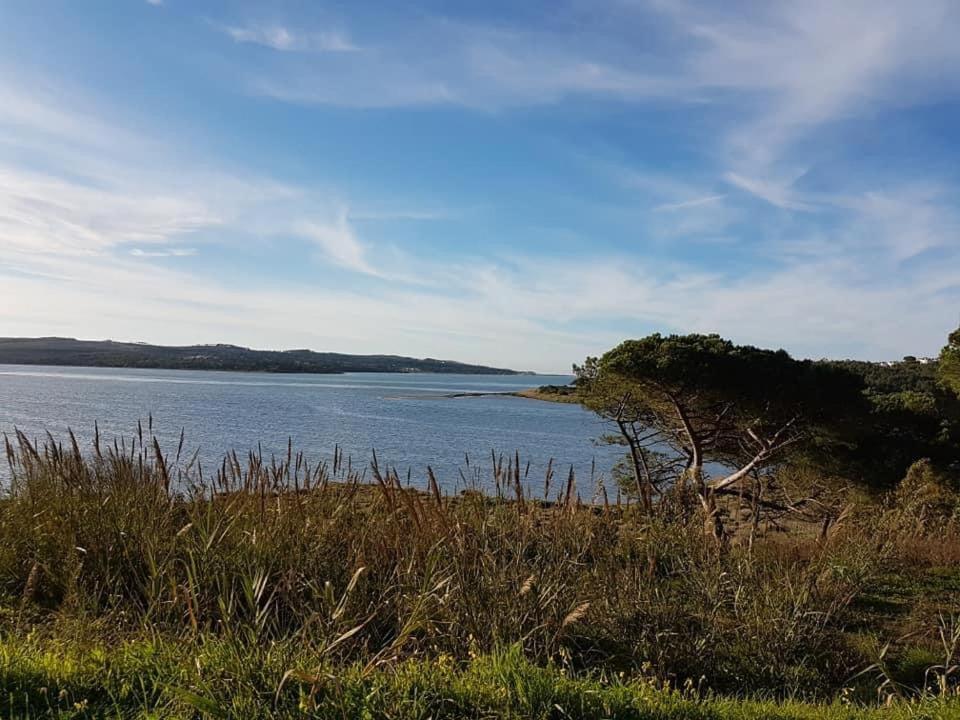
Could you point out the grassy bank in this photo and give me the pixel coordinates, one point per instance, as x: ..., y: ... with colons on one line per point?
x: 550, y: 393
x: 210, y: 677
x: 279, y: 588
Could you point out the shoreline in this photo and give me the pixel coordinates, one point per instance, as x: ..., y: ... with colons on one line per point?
x: 252, y: 371
x: 542, y: 393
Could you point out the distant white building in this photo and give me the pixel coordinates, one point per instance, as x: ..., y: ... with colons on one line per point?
x: 909, y: 358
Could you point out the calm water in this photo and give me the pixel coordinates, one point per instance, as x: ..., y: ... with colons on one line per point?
x: 406, y: 418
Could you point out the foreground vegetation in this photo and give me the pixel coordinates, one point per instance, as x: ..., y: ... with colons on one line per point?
x: 280, y: 589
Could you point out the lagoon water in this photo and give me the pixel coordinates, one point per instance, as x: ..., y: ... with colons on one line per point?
x: 408, y: 418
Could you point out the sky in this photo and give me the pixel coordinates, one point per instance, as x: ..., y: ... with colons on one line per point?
x: 514, y: 184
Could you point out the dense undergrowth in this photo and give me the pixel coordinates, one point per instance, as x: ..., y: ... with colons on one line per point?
x: 131, y: 588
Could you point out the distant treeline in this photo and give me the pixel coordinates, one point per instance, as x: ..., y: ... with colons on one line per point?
x: 106, y: 353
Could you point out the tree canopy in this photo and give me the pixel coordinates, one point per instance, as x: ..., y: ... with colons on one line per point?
x: 911, y: 414
x: 950, y: 362
x: 701, y: 399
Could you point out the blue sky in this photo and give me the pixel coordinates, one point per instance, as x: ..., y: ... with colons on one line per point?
x: 518, y: 184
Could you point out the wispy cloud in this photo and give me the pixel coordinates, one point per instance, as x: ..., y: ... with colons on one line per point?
x: 45, y: 115
x: 338, y: 241
x: 686, y: 204
x: 902, y: 224
x: 789, y: 69
x: 40, y: 213
x: 169, y: 252
x: 673, y: 206
x: 415, y: 215
x: 435, y: 61
x: 778, y: 194
x: 814, y: 62
x: 279, y: 37
x: 795, y: 71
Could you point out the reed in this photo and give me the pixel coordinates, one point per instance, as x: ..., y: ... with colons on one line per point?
x: 333, y: 565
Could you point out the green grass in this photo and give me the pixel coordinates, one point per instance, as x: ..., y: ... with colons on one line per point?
x: 215, y: 678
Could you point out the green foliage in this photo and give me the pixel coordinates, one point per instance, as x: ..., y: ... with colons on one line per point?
x: 950, y: 362
x: 909, y: 416
x: 708, y: 400
x: 884, y: 378
x: 760, y: 384
x: 866, y: 422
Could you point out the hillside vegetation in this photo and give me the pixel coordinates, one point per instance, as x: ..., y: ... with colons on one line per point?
x: 106, y: 353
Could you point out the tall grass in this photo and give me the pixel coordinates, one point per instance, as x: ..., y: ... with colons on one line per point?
x: 308, y: 568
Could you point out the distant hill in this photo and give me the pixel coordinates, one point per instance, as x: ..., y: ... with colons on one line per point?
x: 106, y: 353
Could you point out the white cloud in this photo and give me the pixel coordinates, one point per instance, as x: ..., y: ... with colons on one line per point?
x: 169, y: 252
x: 279, y: 37
x: 687, y: 204
x: 41, y: 213
x: 814, y: 62
x: 779, y: 194
x: 904, y: 222
x: 34, y: 112
x: 795, y: 69
x: 338, y: 241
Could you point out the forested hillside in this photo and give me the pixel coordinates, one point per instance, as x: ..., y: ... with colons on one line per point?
x: 106, y: 353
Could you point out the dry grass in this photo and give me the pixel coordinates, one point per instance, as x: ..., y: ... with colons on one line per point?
x: 271, y: 553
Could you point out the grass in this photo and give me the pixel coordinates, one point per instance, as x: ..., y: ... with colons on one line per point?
x: 132, y: 586
x: 216, y: 678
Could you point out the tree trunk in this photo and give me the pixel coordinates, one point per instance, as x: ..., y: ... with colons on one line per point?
x: 640, y: 477
x: 694, y: 468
